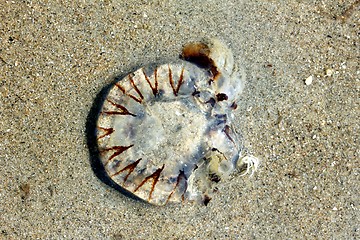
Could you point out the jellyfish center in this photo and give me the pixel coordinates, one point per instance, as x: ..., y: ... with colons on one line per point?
x: 173, y: 132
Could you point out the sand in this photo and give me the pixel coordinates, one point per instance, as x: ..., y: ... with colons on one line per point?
x: 299, y: 114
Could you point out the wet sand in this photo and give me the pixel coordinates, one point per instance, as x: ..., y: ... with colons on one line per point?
x: 299, y: 114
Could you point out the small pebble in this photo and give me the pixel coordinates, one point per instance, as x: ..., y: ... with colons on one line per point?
x: 309, y: 80
x: 329, y: 72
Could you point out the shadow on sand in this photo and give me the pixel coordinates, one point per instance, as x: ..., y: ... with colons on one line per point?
x: 91, y: 140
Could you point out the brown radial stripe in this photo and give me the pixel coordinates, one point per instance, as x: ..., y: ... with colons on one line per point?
x: 139, y: 100
x: 171, y: 80
x: 107, y: 131
x: 155, y: 176
x: 129, y: 168
x: 227, y: 132
x: 118, y: 150
x: 120, y: 87
x: 135, y: 87
x: 155, y: 88
x: 123, y: 109
x: 180, y: 176
x: 176, y: 90
x: 234, y: 105
x: 181, y: 79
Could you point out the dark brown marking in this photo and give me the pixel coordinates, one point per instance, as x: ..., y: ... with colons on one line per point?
x: 123, y: 109
x: 153, y: 88
x: 118, y: 150
x: 107, y: 131
x: 199, y: 54
x: 155, y: 176
x: 180, y: 176
x: 214, y: 177
x: 181, y: 79
x: 292, y: 174
x: 135, y: 87
x: 156, y: 80
x: 130, y: 168
x: 347, y: 13
x: 211, y: 101
x: 139, y: 100
x: 227, y: 132
x: 206, y: 200
x: 234, y: 105
x: 116, y: 113
x: 25, y: 188
x: 221, y: 97
x: 196, y: 93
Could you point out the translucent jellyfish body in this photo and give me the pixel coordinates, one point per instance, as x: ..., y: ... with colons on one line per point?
x: 164, y: 132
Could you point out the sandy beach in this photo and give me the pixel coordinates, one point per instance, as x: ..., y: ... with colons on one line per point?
x: 299, y: 113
